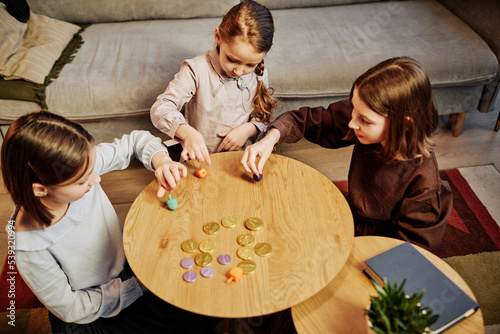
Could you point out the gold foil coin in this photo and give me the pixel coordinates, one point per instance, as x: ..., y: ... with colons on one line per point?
x: 246, y: 239
x: 189, y: 246
x: 229, y: 221
x: 254, y: 224
x: 203, y: 259
x: 245, y: 253
x: 211, y: 228
x: 248, y: 266
x: 263, y: 249
x: 207, y: 246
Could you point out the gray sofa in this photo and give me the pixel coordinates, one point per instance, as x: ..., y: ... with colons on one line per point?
x: 132, y: 49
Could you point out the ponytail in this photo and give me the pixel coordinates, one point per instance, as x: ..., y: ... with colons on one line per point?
x: 264, y: 102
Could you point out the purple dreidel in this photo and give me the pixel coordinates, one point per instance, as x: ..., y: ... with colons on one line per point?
x: 257, y: 178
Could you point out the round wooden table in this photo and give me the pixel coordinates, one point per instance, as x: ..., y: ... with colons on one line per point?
x: 339, y: 307
x: 307, y: 221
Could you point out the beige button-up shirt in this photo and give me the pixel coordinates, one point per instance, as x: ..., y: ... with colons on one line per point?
x: 212, y: 101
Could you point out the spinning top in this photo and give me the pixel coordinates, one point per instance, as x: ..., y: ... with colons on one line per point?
x: 257, y: 178
x: 171, y: 203
x: 235, y: 274
x: 201, y: 173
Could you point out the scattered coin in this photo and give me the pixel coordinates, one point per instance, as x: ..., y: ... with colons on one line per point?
x: 189, y: 246
x: 248, y: 266
x: 254, y: 224
x: 207, y: 246
x: 245, y: 253
x: 203, y: 259
x: 245, y: 239
x: 229, y: 221
x: 187, y: 263
x: 207, y: 272
x: 211, y: 228
x: 189, y: 276
x: 263, y: 249
x: 224, y: 259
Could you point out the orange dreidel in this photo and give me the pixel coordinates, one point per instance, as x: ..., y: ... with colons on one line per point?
x: 201, y: 173
x: 235, y: 274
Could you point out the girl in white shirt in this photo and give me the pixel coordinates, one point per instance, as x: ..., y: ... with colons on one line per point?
x: 224, y: 91
x: 68, y: 238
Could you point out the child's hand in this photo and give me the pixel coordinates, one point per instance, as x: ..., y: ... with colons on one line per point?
x: 235, y: 138
x: 194, y: 144
x: 168, y: 173
x: 262, y: 149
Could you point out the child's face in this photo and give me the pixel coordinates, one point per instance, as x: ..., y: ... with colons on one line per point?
x: 75, y: 188
x: 237, y: 58
x: 369, y: 126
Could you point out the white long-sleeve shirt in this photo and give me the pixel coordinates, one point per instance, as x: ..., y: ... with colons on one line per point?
x: 212, y: 101
x: 72, y: 266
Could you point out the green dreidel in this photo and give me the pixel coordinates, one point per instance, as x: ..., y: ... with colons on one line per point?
x: 171, y: 203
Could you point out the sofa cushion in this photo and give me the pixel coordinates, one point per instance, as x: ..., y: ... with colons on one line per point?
x: 98, y: 11
x: 344, y: 41
x: 122, y: 67
x: 11, y: 35
x: 43, y: 43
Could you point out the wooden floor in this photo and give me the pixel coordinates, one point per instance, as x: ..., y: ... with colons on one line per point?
x: 477, y: 145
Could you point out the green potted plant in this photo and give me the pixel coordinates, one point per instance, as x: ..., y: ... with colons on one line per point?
x: 392, y: 311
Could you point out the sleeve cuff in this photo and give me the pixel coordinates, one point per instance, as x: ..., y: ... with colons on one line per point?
x: 153, y: 146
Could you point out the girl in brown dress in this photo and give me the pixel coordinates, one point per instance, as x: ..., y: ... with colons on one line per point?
x: 394, y: 184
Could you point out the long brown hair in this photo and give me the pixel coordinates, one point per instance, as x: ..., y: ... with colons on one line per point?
x: 42, y: 147
x: 255, y: 24
x: 400, y: 89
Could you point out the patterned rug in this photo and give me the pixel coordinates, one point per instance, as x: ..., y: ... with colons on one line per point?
x: 471, y: 245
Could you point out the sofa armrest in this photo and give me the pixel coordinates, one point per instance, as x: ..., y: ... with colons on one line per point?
x: 482, y: 16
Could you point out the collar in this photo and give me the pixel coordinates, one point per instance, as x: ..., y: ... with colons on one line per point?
x: 223, y: 77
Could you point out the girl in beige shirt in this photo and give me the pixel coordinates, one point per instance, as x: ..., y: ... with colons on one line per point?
x: 223, y: 91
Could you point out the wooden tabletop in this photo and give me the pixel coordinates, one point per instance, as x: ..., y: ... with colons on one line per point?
x: 307, y: 221
x: 339, y: 307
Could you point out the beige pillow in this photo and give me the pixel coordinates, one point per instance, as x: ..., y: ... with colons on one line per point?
x: 11, y: 35
x: 43, y: 43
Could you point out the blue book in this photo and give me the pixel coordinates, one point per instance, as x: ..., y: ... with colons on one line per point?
x: 441, y: 295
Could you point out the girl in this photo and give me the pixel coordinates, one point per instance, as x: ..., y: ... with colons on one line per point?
x: 394, y: 185
x: 69, y: 245
x: 224, y: 90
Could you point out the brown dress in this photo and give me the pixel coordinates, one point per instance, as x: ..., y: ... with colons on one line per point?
x: 403, y: 199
